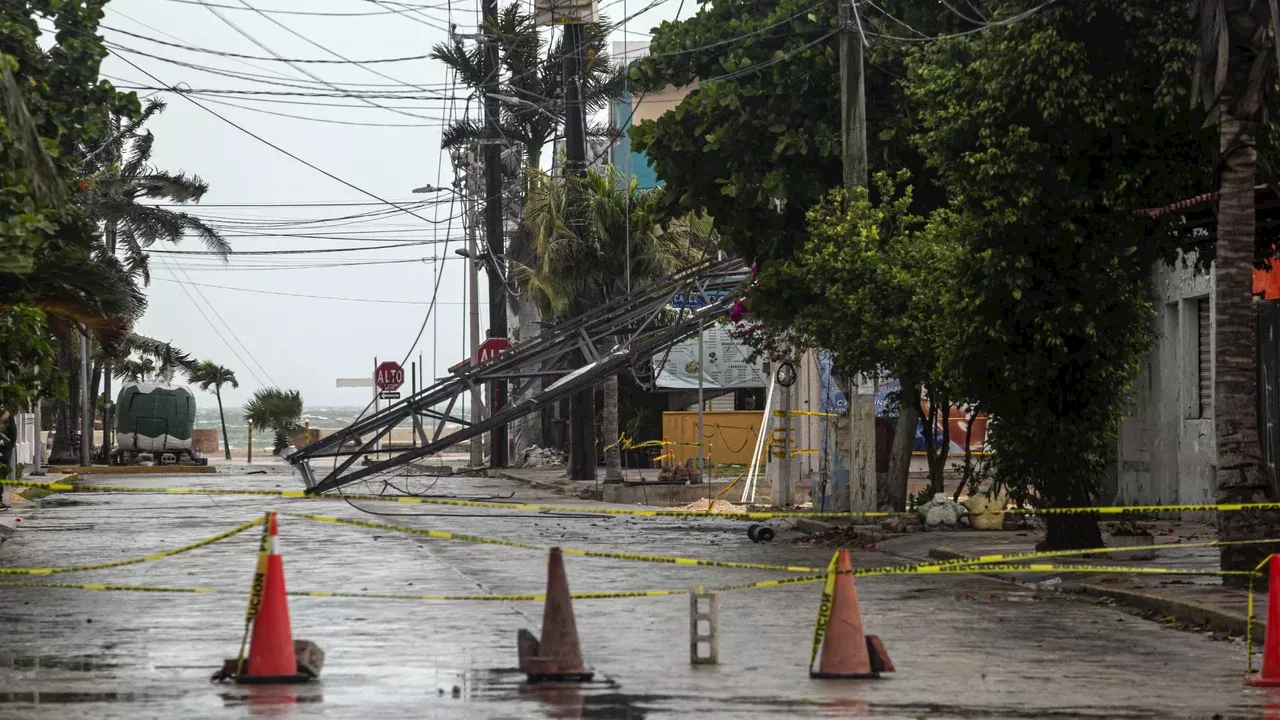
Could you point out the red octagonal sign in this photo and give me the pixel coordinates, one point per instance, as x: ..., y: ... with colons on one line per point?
x: 389, y: 376
x: 491, y: 348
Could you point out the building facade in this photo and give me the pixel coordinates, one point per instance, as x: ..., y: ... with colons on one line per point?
x: 1166, y: 447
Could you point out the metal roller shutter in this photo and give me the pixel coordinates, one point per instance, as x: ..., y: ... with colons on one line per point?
x: 1205, y: 346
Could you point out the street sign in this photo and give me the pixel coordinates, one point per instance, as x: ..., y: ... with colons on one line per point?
x: 388, y: 376
x: 388, y: 395
x: 694, y: 300
x: 491, y: 348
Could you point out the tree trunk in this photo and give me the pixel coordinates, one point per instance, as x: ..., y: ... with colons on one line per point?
x: 1074, y: 531
x: 904, y: 440
x: 108, y: 414
x: 226, y: 441
x: 1238, y: 474
x: 613, y: 454
x: 63, y: 452
x: 967, y: 476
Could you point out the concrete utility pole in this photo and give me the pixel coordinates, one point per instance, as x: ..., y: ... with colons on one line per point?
x: 853, y: 135
x: 582, y: 414
x: 494, y: 224
x: 473, y: 277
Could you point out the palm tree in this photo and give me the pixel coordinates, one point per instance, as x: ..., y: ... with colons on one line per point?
x: 122, y: 177
x: 532, y: 108
x: 1232, y: 80
x: 280, y: 410
x: 591, y: 236
x: 212, y: 375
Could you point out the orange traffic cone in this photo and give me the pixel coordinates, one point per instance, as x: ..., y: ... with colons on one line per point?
x: 557, y: 656
x: 274, y: 657
x: 1270, y: 675
x: 846, y: 651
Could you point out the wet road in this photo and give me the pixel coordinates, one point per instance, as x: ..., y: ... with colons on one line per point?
x: 77, y: 654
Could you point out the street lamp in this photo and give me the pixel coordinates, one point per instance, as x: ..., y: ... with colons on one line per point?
x: 473, y: 292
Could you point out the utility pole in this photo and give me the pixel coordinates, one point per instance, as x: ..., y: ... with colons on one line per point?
x: 853, y: 136
x: 582, y: 413
x: 473, y: 290
x: 494, y: 224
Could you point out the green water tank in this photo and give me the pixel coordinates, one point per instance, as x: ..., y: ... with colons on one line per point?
x: 154, y: 418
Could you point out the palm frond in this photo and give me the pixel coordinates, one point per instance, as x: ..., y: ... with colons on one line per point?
x: 175, y: 187
x: 45, y: 182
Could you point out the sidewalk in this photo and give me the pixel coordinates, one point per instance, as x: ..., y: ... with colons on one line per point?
x: 1191, y: 599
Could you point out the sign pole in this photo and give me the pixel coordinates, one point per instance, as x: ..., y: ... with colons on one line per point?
x: 702, y: 435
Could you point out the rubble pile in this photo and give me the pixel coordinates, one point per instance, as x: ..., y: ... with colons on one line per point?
x: 534, y: 456
x: 719, y: 508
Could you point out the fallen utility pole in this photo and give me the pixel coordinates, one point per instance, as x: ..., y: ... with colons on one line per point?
x: 612, y: 336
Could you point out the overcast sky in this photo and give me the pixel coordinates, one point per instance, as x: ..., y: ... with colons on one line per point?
x: 228, y: 313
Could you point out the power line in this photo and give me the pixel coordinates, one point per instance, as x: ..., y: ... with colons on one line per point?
x: 277, y: 148
x: 218, y: 315
x: 313, y: 297
x: 229, y: 54
x: 310, y: 13
x: 246, y: 365
x: 304, y: 251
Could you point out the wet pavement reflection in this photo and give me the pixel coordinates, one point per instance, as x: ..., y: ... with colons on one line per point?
x: 78, y: 654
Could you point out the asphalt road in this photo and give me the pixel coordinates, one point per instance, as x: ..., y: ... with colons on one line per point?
x: 71, y: 653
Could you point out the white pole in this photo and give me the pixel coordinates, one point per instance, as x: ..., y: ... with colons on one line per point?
x: 702, y: 435
x: 749, y: 489
x: 86, y: 418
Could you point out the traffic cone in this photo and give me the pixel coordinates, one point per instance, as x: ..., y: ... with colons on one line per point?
x: 274, y: 657
x: 557, y: 656
x: 846, y: 651
x: 1270, y: 675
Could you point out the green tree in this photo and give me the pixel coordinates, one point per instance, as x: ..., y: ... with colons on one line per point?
x: 212, y: 375
x: 280, y: 410
x: 756, y: 143
x: 122, y: 179
x: 871, y: 285
x: 54, y: 107
x: 1046, y: 170
x: 531, y: 85
x: 590, y: 234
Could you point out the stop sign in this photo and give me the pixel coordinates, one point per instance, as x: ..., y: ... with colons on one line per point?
x: 389, y: 376
x: 491, y: 347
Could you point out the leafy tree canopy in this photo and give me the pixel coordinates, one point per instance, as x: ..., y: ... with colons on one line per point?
x: 1048, y: 134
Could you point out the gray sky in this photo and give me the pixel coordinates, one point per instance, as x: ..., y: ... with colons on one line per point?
x: 288, y: 341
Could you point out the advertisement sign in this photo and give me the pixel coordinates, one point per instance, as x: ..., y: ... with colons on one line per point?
x: 725, y: 361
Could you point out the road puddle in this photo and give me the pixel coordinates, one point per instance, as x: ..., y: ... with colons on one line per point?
x: 51, y: 662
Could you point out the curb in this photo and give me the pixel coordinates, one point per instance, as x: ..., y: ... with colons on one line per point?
x: 1187, y: 611
x: 134, y: 469
x: 558, y: 489
x: 31, y: 494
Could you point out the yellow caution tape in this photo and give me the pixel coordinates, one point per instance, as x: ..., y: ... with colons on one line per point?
x: 824, y: 610
x: 132, y: 561
x: 410, y: 500
x: 803, y: 413
x: 101, y: 587
x: 828, y: 577
x: 256, y: 587
x: 637, y: 557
